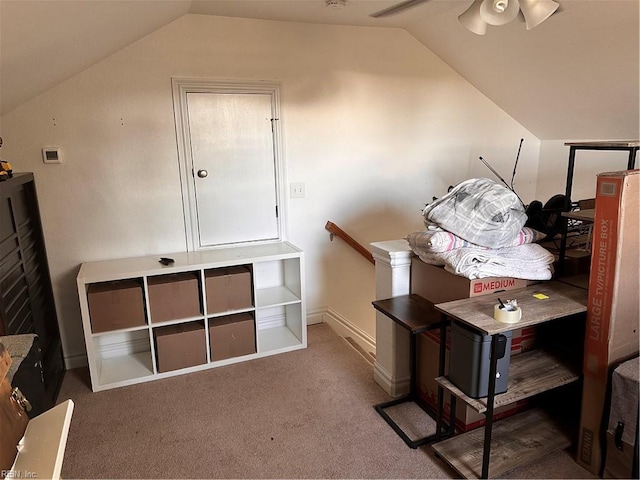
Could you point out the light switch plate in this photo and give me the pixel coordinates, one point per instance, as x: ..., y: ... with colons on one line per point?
x: 297, y: 190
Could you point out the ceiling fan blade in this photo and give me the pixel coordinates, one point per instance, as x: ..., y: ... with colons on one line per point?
x: 397, y: 8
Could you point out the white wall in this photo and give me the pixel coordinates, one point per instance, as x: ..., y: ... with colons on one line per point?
x: 373, y: 122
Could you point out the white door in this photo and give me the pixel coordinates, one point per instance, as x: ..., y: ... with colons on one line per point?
x: 231, y: 154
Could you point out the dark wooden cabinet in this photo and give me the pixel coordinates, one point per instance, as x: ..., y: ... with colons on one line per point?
x: 26, y: 297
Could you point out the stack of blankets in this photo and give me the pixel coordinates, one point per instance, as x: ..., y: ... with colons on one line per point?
x: 477, y: 230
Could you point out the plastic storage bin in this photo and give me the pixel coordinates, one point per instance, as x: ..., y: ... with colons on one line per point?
x: 469, y: 362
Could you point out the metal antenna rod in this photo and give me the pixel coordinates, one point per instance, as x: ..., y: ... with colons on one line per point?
x: 501, y: 179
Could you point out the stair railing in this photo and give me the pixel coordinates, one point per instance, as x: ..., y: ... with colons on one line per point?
x: 335, y: 230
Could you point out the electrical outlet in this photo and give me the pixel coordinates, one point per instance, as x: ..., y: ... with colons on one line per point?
x: 51, y: 155
x: 297, y: 190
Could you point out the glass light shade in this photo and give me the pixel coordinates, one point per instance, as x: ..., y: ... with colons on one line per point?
x: 494, y: 17
x: 471, y: 18
x: 537, y: 11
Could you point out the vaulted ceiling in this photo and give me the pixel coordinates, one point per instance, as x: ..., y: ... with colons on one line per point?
x: 576, y: 76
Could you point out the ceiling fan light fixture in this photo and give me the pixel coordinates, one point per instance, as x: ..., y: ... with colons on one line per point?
x: 537, y: 11
x: 498, y: 13
x: 471, y: 18
x: 336, y: 4
x: 500, y: 5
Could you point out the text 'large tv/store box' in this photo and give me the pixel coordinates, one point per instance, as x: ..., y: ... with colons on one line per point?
x: 613, y: 301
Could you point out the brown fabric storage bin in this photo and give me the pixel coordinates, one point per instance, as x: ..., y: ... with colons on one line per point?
x: 173, y: 297
x: 228, y: 289
x: 180, y: 346
x: 232, y: 336
x: 115, y: 305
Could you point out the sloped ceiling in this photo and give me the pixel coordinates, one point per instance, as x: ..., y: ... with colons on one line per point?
x: 576, y: 76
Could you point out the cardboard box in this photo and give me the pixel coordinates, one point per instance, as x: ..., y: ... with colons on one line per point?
x: 232, y: 336
x: 174, y: 297
x: 228, y: 289
x: 180, y: 346
x: 437, y: 285
x: 612, y: 308
x: 115, y: 305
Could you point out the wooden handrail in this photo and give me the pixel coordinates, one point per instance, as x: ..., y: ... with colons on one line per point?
x: 337, y: 231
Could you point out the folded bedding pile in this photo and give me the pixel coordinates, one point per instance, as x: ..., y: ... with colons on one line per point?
x: 477, y: 230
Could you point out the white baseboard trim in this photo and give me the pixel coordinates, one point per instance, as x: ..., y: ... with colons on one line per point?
x: 77, y: 360
x: 345, y: 328
x: 314, y: 316
x: 394, y: 387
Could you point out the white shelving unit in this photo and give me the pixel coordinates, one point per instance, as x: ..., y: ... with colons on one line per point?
x: 128, y: 356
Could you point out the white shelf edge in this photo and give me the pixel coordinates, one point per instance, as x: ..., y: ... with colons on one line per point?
x: 137, y: 366
x: 275, y: 296
x: 276, y: 339
x: 148, y: 266
x: 179, y: 321
x: 229, y: 312
x: 121, y: 330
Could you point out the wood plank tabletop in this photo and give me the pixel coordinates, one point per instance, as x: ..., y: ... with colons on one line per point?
x: 517, y: 440
x: 413, y: 312
x: 540, y: 303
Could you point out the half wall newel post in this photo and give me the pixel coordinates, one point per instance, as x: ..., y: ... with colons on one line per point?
x: 393, y: 275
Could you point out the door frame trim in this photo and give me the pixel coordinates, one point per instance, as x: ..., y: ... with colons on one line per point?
x: 180, y: 86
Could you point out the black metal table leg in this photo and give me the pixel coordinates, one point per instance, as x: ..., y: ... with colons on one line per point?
x: 632, y: 158
x: 496, y: 353
x: 444, y: 321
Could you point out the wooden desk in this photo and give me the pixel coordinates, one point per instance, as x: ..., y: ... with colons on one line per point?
x: 532, y: 434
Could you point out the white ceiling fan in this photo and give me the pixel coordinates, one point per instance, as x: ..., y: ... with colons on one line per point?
x: 397, y: 8
x: 489, y: 12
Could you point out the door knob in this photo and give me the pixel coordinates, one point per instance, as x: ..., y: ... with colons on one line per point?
x: 203, y: 173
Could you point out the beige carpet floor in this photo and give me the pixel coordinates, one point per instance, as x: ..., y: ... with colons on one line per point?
x: 304, y: 414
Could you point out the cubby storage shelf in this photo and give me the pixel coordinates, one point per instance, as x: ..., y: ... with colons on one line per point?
x: 125, y: 369
x: 126, y: 356
x: 268, y: 297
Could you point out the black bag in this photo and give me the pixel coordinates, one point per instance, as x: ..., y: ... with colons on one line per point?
x: 27, y: 370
